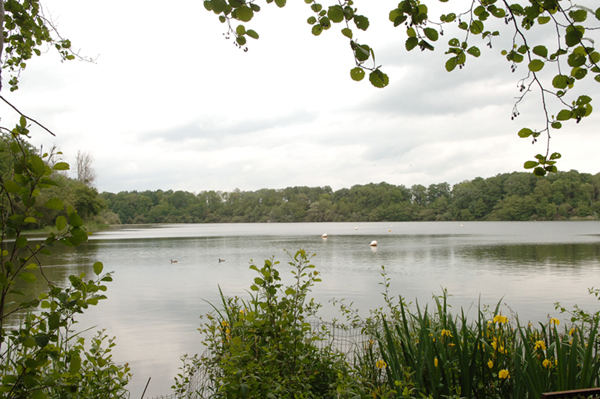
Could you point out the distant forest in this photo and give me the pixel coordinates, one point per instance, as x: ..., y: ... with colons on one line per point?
x: 509, y: 196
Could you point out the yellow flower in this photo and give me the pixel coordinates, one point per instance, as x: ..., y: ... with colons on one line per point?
x: 435, y: 362
x: 504, y: 374
x: 490, y: 363
x: 547, y: 363
x: 381, y: 364
x: 446, y: 333
x: 500, y: 319
x: 554, y: 321
x: 572, y: 331
x: 494, y: 344
x: 540, y: 344
x: 224, y: 323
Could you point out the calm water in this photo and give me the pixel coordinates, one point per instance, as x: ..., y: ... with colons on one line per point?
x: 153, y: 305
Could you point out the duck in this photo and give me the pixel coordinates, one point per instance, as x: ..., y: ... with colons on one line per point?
x: 221, y: 260
x: 174, y: 261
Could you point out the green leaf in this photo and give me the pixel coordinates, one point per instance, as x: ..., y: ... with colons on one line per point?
x: 357, y: 74
x: 539, y: 171
x: 451, y: 64
x: 379, y: 79
x: 578, y: 15
x: 347, y: 32
x: 317, y: 29
x: 536, y: 65
x: 579, y: 73
x: 564, y: 115
x: 583, y: 99
x: 476, y: 27
x: 597, y: 13
x: 544, y: 20
x: 574, y: 35
x: 336, y: 13
x: 411, y: 43
x: 361, y: 22
x: 280, y: 3
x: 244, y: 13
x: 560, y: 81
x: 30, y: 219
x: 241, y: 40
x: 60, y: 223
x: 556, y: 125
x: 541, y: 51
x: 218, y: 6
x: 54, y: 203
x: 61, y: 166
x: 75, y: 220
x: 525, y: 132
x: 11, y: 186
x: 531, y: 164
x: 21, y: 242
x: 555, y: 155
x: 251, y: 33
x: 474, y: 51
x: 431, y: 34
x: 37, y: 165
x: 240, y: 30
x: 98, y: 267
x: 28, y: 277
x: 42, y: 340
x: 311, y: 20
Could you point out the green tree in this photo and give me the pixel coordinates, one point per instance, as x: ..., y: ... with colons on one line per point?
x: 39, y: 355
x: 550, y: 70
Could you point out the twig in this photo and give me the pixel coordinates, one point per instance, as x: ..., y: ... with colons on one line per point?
x: 26, y: 117
x: 148, y: 383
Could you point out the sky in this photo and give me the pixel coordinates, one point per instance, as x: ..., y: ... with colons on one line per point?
x: 170, y: 103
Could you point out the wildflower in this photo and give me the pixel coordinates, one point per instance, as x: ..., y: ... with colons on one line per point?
x: 547, y: 363
x: 381, y: 364
x: 504, y: 374
x: 490, y: 363
x: 224, y: 323
x: 446, y: 333
x: 500, y: 319
x: 435, y: 362
x: 494, y: 344
x: 554, y: 321
x: 451, y: 345
x: 540, y: 344
x: 572, y: 331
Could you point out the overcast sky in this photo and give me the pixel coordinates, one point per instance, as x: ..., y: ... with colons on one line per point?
x: 171, y: 104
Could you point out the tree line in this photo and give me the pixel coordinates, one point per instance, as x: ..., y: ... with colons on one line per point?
x: 507, y: 196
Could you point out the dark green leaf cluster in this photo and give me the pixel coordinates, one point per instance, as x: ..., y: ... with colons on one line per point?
x: 39, y: 358
x: 25, y: 32
x: 263, y: 347
x: 573, y: 26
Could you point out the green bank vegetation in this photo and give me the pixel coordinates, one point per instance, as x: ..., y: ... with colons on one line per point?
x: 264, y: 347
x: 508, y: 196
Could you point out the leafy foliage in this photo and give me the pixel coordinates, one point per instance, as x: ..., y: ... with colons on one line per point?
x: 432, y: 353
x: 263, y: 347
x: 573, y: 56
x: 41, y: 358
x: 509, y: 196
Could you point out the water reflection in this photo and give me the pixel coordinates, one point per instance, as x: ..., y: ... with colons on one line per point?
x: 153, y: 305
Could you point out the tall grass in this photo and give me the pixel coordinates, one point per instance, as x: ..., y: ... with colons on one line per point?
x: 441, y: 355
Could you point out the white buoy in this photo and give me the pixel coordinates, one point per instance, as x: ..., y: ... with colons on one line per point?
x: 356, y: 228
x: 324, y: 235
x: 373, y: 243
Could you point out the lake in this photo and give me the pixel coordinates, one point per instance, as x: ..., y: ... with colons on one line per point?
x: 153, y: 304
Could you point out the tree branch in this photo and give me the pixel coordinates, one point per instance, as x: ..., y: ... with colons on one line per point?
x: 25, y: 116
